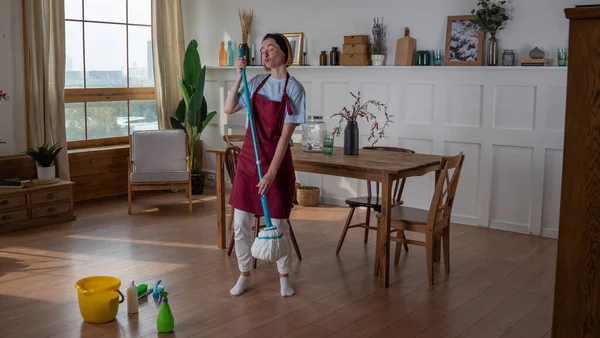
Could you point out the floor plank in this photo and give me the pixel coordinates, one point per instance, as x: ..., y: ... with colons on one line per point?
x: 500, y: 283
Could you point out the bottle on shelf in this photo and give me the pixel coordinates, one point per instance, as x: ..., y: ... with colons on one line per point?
x: 222, y: 55
x: 334, y: 57
x: 229, y: 54
x: 132, y: 298
x: 323, y: 58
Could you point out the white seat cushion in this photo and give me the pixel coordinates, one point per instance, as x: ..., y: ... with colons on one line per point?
x: 169, y: 176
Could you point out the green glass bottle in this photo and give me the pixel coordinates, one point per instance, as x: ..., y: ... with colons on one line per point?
x: 165, y: 322
x: 230, y: 58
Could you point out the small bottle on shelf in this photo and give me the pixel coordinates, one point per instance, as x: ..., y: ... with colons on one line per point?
x: 323, y: 58
x: 222, y: 55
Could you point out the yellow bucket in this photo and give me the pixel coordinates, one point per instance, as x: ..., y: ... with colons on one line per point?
x: 99, y: 298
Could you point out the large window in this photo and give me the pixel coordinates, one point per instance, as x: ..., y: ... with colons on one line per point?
x: 109, y: 73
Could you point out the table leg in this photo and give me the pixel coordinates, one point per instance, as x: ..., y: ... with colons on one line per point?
x: 383, y: 232
x: 221, y: 231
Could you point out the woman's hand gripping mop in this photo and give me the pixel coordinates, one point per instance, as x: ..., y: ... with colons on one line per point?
x: 270, y: 245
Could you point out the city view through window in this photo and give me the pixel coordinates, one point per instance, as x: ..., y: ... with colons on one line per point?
x: 109, y: 76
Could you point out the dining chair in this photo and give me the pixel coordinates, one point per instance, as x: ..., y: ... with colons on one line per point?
x: 231, y: 157
x: 433, y: 223
x: 372, y: 202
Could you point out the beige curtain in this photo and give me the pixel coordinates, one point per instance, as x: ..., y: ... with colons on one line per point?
x: 167, y: 51
x: 45, y: 24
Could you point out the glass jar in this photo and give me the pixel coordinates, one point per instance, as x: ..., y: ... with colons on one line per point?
x: 323, y: 58
x: 334, y: 57
x: 508, y: 57
x: 313, y: 134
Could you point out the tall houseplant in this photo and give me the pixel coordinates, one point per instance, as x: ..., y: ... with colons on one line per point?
x: 44, y: 157
x: 378, y: 31
x: 192, y: 112
x: 491, y: 16
x: 358, y: 110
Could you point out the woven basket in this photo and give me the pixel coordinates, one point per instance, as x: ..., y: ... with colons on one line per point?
x: 308, y: 196
x: 298, y: 185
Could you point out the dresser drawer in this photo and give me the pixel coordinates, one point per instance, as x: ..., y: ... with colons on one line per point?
x: 49, y: 210
x: 13, y: 202
x: 50, y: 196
x: 13, y: 216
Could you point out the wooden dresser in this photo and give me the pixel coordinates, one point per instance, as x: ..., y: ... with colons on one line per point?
x: 577, y: 286
x: 35, y: 206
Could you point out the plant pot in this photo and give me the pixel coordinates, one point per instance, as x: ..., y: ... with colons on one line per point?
x: 377, y: 59
x: 198, y: 183
x: 351, y: 138
x: 46, y: 173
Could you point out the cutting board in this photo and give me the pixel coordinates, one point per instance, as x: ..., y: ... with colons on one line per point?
x: 405, y: 48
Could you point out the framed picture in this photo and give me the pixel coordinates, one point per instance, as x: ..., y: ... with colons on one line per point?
x: 297, y: 42
x: 465, y: 42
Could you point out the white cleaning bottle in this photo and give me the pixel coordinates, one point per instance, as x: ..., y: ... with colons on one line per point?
x: 132, y: 298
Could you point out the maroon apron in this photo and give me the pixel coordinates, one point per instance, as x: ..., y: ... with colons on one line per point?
x: 268, y: 123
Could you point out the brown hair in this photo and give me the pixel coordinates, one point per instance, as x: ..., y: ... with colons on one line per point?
x: 285, y: 46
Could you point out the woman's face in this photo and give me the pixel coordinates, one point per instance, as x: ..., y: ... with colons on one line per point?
x: 272, y: 55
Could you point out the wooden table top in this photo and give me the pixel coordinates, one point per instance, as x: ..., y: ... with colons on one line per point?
x: 382, y: 161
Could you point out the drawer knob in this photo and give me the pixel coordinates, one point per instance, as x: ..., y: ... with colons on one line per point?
x: 51, y: 209
x: 6, y: 217
x: 4, y: 202
x: 50, y: 196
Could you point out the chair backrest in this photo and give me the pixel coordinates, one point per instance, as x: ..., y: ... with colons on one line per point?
x: 231, y: 139
x: 154, y: 151
x: 398, y: 187
x: 231, y: 157
x: 442, y: 202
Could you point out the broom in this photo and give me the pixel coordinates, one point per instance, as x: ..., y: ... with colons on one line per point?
x: 269, y: 245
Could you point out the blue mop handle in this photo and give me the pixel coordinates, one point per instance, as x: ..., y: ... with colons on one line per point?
x: 263, y: 197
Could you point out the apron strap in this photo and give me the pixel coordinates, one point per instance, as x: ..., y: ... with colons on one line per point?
x: 286, y: 97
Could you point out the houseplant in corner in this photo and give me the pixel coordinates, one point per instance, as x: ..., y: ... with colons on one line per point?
x: 192, y: 112
x: 351, y: 116
x: 44, y: 157
x: 490, y: 16
x: 378, y: 55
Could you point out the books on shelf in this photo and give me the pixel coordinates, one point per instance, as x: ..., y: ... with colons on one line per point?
x: 13, y: 183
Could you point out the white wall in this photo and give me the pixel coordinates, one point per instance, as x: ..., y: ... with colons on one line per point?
x: 12, y: 113
x: 539, y: 23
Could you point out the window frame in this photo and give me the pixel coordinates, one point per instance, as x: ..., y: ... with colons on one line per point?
x: 99, y: 94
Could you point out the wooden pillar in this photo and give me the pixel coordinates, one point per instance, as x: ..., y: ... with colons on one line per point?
x: 577, y: 287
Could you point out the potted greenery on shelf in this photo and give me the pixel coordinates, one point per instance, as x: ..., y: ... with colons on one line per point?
x: 378, y: 55
x: 490, y: 16
x: 44, y: 157
x: 192, y: 112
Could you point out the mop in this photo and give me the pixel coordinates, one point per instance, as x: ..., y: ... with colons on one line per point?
x: 269, y: 245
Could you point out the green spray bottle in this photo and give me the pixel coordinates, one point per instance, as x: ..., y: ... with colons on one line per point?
x: 165, y: 322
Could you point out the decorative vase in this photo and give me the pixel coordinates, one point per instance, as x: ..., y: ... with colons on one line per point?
x: 377, y: 59
x: 230, y: 56
x: 351, y: 138
x: 492, y: 51
x: 46, y: 173
x: 222, y: 55
x: 246, y: 49
x: 198, y: 183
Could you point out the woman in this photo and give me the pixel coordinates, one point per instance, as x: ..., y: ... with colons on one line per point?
x: 278, y: 106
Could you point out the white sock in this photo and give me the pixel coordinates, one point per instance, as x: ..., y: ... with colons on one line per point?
x: 240, y: 286
x: 286, y: 287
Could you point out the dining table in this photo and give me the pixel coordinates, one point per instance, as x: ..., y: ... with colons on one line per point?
x: 370, y: 164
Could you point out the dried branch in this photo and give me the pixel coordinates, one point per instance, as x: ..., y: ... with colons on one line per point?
x: 246, y: 23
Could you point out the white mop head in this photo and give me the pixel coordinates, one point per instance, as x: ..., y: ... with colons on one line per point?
x: 270, y: 245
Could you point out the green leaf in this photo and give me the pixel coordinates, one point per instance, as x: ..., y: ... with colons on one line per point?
x: 208, y: 118
x: 180, y: 112
x: 175, y: 124
x: 191, y: 64
x: 203, y: 111
x: 184, y: 92
x: 197, y: 99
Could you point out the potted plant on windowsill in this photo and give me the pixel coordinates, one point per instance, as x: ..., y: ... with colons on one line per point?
x: 44, y: 157
x: 192, y: 112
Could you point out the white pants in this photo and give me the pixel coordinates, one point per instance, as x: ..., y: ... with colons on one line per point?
x: 244, y: 237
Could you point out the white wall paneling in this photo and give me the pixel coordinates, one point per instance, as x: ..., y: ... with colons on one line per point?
x: 506, y: 120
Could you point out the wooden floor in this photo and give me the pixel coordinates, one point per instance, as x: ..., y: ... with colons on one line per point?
x: 500, y: 283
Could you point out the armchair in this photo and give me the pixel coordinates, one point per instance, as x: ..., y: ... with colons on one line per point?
x: 158, y: 160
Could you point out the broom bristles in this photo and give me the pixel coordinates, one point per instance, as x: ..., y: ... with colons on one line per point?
x: 270, y: 245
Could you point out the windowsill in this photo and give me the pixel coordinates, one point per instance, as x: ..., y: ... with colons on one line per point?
x: 101, y: 148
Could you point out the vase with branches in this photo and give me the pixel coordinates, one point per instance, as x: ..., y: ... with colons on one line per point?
x: 358, y: 110
x: 246, y: 24
x: 3, y: 96
x: 491, y: 16
x: 379, y: 32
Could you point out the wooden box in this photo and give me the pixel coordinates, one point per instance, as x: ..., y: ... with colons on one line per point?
x: 361, y: 48
x: 34, y: 206
x: 348, y: 59
x: 356, y: 39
